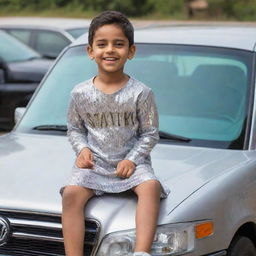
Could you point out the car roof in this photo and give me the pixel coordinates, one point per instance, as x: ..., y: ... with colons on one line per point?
x: 237, y: 37
x: 43, y: 23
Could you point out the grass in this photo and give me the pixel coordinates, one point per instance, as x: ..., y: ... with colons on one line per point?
x: 76, y: 12
x: 60, y: 12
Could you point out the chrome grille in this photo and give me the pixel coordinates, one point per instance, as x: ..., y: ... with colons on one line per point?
x: 35, y: 234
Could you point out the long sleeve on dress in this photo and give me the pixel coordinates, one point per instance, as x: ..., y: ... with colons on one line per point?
x: 118, y: 126
x: 148, y: 129
x: 77, y: 132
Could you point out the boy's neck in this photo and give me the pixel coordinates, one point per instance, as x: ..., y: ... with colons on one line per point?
x: 110, y: 83
x: 111, y: 79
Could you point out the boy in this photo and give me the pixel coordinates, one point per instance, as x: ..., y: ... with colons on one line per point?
x: 112, y: 126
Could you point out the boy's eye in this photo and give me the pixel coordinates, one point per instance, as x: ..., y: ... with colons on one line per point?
x: 119, y: 44
x: 101, y: 45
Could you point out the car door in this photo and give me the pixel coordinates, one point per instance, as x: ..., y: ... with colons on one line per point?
x: 49, y: 43
x: 24, y: 35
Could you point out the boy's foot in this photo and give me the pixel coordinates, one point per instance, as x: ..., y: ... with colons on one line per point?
x: 141, y: 254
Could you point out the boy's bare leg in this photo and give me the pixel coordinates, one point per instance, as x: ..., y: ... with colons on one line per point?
x: 146, y: 214
x: 74, y: 199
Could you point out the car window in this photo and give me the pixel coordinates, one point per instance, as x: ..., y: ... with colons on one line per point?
x: 12, y: 50
x: 21, y: 34
x: 50, y: 44
x: 201, y: 92
x: 199, y: 95
x: 76, y: 32
x: 60, y: 82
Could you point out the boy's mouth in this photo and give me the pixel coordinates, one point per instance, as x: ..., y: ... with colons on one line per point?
x: 110, y: 59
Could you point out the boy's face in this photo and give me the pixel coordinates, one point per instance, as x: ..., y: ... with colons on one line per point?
x: 110, y: 49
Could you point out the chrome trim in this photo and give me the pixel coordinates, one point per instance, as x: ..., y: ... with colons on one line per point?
x: 45, y: 214
x: 36, y: 237
x: 221, y: 253
x: 23, y: 235
x: 37, y: 224
x: 46, y: 224
x: 5, y: 230
x: 40, y: 224
x: 32, y: 212
x: 252, y: 134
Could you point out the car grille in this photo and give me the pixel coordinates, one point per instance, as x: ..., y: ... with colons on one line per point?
x: 34, y: 234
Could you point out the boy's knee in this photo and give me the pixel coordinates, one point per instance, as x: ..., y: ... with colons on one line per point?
x: 148, y: 187
x: 74, y: 197
x: 153, y: 184
x: 69, y: 196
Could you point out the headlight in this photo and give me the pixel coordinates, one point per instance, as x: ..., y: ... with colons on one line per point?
x: 173, y: 239
x: 169, y: 240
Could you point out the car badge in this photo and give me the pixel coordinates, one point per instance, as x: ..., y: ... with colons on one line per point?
x: 5, y: 231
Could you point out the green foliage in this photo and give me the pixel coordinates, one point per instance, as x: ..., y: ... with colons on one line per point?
x: 168, y: 7
x: 233, y: 9
x: 218, y: 9
x: 18, y: 5
x: 244, y: 10
x: 131, y: 7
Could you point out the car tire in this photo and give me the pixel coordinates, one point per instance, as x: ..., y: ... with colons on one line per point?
x: 241, y: 246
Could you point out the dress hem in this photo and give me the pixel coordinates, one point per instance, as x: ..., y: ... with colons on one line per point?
x: 100, y: 190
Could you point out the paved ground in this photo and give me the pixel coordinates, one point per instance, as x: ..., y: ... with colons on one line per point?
x: 151, y: 23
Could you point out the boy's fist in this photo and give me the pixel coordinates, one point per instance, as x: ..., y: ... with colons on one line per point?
x: 85, y: 159
x: 125, y: 168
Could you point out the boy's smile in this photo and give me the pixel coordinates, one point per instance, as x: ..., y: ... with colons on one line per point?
x: 110, y: 49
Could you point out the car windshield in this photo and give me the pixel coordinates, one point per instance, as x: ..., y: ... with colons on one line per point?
x: 76, y: 32
x: 12, y: 50
x: 201, y: 92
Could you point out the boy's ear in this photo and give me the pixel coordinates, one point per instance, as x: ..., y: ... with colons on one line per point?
x: 90, y: 52
x: 132, y: 51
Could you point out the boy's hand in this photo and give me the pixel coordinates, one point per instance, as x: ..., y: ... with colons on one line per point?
x: 125, y: 168
x: 85, y: 159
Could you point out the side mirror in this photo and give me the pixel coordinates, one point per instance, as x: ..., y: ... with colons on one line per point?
x: 2, y: 76
x: 2, y: 63
x: 4, y: 71
x: 18, y: 114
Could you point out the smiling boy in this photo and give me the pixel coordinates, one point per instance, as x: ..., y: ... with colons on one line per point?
x: 112, y: 126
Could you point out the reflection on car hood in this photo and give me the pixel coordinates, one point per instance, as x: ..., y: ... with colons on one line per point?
x: 34, y: 167
x: 29, y: 71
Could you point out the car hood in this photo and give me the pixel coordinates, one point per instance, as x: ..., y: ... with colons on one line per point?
x: 35, y: 167
x: 29, y: 71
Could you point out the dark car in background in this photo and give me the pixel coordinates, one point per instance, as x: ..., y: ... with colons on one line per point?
x: 48, y: 36
x: 21, y: 70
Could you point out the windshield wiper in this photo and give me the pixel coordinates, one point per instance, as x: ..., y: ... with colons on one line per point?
x: 48, y: 56
x: 163, y: 135
x: 170, y: 136
x: 62, y: 128
x: 33, y: 58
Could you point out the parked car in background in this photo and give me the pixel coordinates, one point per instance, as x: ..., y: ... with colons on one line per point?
x: 203, y: 79
x: 48, y: 36
x: 21, y: 70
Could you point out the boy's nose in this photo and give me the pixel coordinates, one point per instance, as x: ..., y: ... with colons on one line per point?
x: 110, y: 48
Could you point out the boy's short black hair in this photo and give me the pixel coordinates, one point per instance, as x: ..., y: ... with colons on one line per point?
x: 111, y: 17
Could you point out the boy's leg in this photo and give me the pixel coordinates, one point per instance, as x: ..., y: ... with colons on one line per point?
x: 146, y: 214
x: 74, y: 199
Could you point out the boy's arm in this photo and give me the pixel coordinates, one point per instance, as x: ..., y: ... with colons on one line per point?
x: 148, y: 128
x: 77, y: 132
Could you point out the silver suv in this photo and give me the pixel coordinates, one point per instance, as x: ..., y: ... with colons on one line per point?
x: 204, y: 81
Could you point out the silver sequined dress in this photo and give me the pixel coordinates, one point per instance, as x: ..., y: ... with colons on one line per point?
x: 122, y: 125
